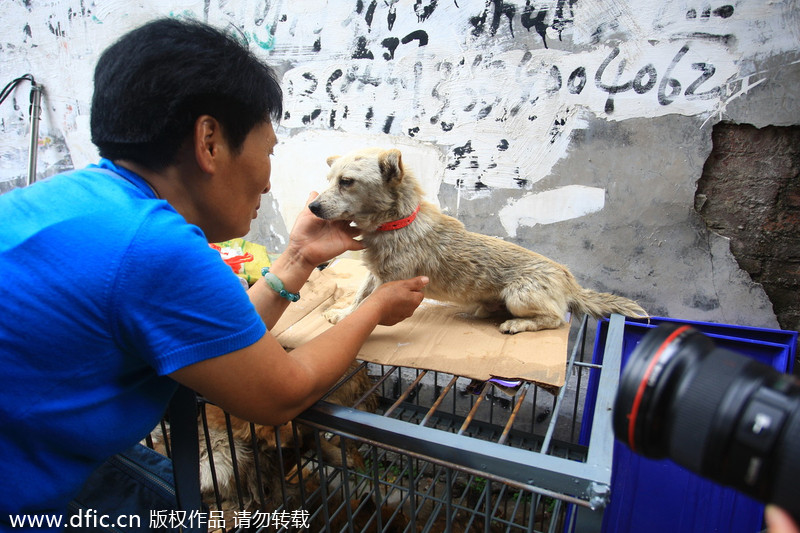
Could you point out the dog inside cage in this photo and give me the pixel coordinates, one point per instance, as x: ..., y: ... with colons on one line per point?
x: 379, y: 464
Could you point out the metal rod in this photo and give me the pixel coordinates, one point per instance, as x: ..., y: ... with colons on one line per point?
x: 234, y: 460
x: 582, y: 343
x: 376, y: 488
x: 377, y: 384
x: 166, y: 438
x: 449, y: 499
x: 405, y: 394
x: 519, y: 399
x: 471, y: 415
x: 36, y: 115
x: 557, y: 408
x: 256, y: 463
x: 553, y: 517
x: 438, y: 401
x: 346, y: 481
x: 323, y: 482
x: 601, y: 440
x: 210, y: 454
x: 412, y: 492
x: 487, y: 520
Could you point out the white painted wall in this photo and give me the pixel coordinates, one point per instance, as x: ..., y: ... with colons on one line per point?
x: 487, y: 99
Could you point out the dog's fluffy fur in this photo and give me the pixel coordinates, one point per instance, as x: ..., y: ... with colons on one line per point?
x: 372, y: 187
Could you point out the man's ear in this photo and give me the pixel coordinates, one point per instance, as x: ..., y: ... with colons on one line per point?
x: 391, y: 164
x: 208, y: 141
x: 331, y: 159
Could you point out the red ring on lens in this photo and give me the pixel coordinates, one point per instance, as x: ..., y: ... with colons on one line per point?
x: 637, y: 400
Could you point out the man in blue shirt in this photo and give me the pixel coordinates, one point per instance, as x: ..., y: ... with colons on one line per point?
x: 99, y: 320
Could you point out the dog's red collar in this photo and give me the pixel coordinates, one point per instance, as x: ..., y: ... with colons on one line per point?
x: 397, y: 224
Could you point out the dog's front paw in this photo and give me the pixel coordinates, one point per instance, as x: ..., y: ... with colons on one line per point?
x: 335, y: 315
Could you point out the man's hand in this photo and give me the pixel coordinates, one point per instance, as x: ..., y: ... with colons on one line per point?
x: 779, y: 521
x: 397, y: 300
x: 317, y: 240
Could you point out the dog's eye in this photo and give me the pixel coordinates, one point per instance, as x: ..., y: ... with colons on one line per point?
x: 346, y: 182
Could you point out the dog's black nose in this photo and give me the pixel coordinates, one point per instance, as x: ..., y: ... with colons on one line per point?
x: 316, y: 208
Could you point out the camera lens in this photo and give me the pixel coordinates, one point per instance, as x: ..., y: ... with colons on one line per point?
x: 720, y: 414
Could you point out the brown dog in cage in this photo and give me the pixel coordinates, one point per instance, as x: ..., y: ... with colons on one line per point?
x: 233, y: 477
x: 406, y: 237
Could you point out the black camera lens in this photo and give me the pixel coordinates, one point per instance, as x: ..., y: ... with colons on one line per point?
x: 720, y: 414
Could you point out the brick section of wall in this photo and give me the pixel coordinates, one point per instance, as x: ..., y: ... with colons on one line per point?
x: 750, y: 193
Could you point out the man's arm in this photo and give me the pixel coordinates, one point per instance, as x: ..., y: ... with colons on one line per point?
x: 263, y: 383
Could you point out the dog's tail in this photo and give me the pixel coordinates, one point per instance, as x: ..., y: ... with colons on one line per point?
x: 600, y: 304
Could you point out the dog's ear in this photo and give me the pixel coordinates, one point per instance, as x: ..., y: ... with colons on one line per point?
x: 391, y: 164
x: 332, y: 158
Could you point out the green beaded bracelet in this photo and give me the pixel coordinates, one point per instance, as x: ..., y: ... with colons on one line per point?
x: 275, y: 282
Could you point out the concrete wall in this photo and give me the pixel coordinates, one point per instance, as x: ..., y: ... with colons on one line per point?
x: 576, y: 128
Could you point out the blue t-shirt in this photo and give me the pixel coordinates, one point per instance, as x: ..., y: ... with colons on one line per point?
x: 104, y: 289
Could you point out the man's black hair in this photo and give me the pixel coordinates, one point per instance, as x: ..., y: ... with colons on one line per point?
x: 152, y: 84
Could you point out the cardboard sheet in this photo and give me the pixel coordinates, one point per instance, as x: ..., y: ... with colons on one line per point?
x: 438, y: 336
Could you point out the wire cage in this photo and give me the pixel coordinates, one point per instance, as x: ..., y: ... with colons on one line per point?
x: 403, y: 450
